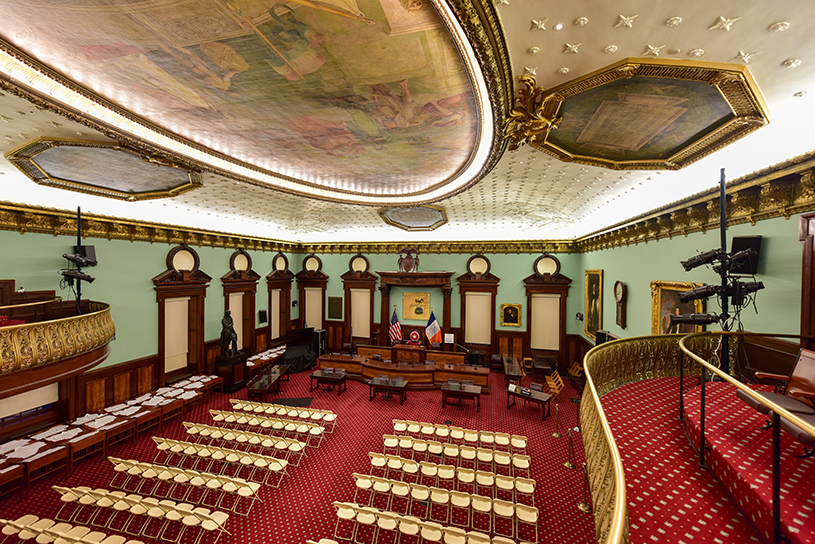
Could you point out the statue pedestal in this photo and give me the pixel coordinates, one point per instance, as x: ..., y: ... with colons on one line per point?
x: 233, y: 370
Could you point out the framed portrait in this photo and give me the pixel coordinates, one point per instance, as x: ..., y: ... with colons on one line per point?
x: 510, y: 315
x: 416, y: 306
x: 593, y: 303
x: 665, y: 301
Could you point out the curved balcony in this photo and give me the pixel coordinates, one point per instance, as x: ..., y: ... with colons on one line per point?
x: 76, y: 342
x: 607, y: 367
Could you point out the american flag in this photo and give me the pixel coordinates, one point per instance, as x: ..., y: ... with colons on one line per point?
x: 395, y: 330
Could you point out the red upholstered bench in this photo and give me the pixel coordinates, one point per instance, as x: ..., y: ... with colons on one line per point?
x: 12, y: 322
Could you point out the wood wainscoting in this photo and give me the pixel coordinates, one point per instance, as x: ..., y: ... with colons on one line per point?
x: 114, y: 384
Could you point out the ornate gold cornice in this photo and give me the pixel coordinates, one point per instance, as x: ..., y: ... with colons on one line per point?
x: 780, y: 190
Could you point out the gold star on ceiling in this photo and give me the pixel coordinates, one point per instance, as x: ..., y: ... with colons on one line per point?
x: 572, y: 48
x: 653, y: 51
x: 531, y: 71
x: 626, y: 21
x: 724, y: 24
x: 539, y: 25
x: 744, y: 57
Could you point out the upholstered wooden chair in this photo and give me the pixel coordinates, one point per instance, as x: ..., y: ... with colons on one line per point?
x: 795, y: 393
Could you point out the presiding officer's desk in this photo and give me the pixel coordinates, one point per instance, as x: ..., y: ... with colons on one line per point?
x: 430, y: 375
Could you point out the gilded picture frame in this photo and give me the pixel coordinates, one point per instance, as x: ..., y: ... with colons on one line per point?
x: 593, y: 303
x: 416, y: 306
x: 665, y: 301
x: 511, y: 315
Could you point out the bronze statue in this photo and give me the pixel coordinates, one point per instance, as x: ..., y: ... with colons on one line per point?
x: 229, y: 338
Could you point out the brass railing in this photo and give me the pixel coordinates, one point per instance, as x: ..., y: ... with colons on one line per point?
x: 607, y: 367
x: 32, y: 344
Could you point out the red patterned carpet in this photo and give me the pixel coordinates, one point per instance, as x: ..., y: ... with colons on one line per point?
x: 741, y: 456
x: 670, y: 498
x: 302, y: 507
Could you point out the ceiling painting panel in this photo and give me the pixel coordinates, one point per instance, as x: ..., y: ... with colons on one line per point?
x: 366, y: 96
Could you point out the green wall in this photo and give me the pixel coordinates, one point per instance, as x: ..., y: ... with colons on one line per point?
x: 125, y: 270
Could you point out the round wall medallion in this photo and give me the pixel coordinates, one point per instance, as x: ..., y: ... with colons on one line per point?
x: 478, y: 264
x: 546, y: 264
x: 240, y: 261
x: 358, y: 263
x: 183, y: 260
x: 280, y: 263
x: 312, y: 263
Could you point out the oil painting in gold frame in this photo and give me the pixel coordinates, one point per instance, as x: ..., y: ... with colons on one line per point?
x: 665, y: 301
x: 416, y: 306
x: 593, y: 303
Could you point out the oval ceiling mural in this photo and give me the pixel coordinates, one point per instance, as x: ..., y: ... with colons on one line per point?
x: 366, y: 97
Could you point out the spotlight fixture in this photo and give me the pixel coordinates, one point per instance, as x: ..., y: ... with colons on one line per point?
x: 695, y: 319
x: 741, y: 289
x: 79, y: 260
x: 71, y: 275
x: 735, y: 259
x: 699, y: 260
x: 699, y: 292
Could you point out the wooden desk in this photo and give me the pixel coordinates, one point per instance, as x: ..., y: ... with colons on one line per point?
x: 472, y: 392
x: 370, y: 351
x: 171, y: 410
x: 534, y: 396
x: 12, y: 476
x: 49, y: 459
x: 480, y: 376
x: 544, y: 365
x: 512, y: 370
x: 328, y: 378
x: 351, y: 364
x: 418, y: 376
x: 446, y: 357
x: 269, y: 381
x: 148, y: 417
x: 387, y: 387
x: 87, y: 443
x: 119, y: 431
x: 409, y: 353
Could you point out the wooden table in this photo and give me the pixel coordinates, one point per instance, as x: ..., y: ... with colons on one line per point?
x: 387, y: 388
x: 472, y: 392
x: 512, y: 370
x: 544, y: 365
x: 533, y: 396
x: 328, y: 378
x: 269, y: 381
x: 12, y: 476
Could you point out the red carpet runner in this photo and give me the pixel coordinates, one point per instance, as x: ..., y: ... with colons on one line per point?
x: 301, y: 508
x: 670, y: 498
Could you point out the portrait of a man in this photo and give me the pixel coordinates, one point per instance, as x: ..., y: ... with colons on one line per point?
x: 593, y: 303
x: 510, y: 315
x: 665, y: 302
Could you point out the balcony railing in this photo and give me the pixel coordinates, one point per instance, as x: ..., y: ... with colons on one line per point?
x: 607, y: 367
x: 43, y: 342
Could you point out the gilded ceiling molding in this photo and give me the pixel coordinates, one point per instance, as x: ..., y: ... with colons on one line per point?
x: 23, y: 219
x: 750, y: 199
x: 736, y: 99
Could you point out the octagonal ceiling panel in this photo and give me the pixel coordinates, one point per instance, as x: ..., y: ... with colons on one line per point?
x: 354, y: 97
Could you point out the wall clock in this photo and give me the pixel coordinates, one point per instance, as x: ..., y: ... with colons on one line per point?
x: 620, y: 295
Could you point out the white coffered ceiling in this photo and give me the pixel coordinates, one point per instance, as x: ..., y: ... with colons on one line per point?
x: 529, y: 195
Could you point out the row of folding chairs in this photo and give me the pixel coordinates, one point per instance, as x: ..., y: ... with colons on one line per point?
x: 290, y: 449
x: 144, y: 509
x: 47, y: 530
x: 446, y: 506
x: 175, y: 477
x: 288, y: 427
x: 326, y: 417
x: 520, y: 490
x: 322, y: 541
x: 457, y: 435
x: 505, y: 465
x: 254, y: 462
x: 367, y: 524
x: 449, y: 453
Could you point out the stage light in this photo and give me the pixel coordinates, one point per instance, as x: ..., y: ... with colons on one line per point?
x: 71, y: 275
x: 736, y: 258
x: 699, y: 260
x: 79, y: 260
x: 699, y: 292
x: 742, y: 289
x: 695, y: 319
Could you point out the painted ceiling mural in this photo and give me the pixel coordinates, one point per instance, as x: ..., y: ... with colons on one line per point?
x: 363, y: 96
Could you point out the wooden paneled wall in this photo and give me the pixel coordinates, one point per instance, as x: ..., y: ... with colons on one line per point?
x: 510, y: 344
x: 116, y: 383
x: 767, y: 355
